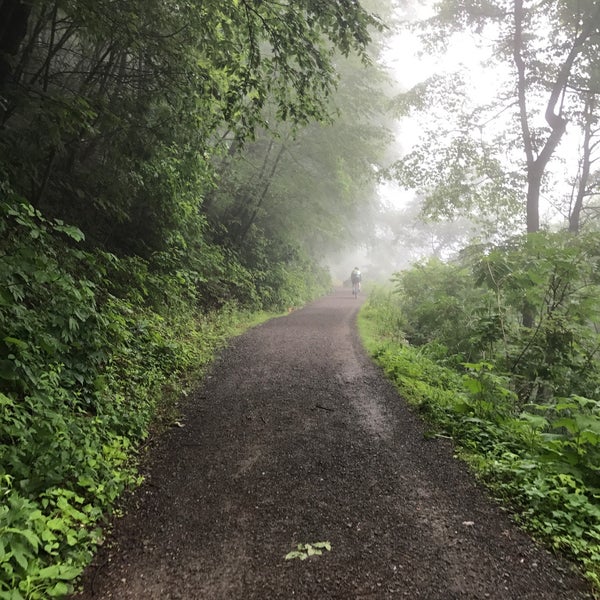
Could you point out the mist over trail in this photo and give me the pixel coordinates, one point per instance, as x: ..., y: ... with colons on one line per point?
x: 297, y: 438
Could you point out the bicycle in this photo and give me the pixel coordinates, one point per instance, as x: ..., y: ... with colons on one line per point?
x: 355, y: 288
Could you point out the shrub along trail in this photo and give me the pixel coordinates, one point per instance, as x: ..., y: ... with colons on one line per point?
x: 296, y: 437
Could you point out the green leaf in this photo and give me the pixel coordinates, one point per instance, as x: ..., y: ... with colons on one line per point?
x: 15, y: 342
x: 590, y: 437
x: 20, y: 557
x: 324, y: 545
x: 31, y: 537
x: 588, y: 422
x: 308, y: 549
x: 535, y: 421
x: 56, y: 524
x: 295, y: 554
x: 565, y: 406
x: 64, y: 572
x: 569, y: 424
x: 5, y: 400
x: 73, y: 232
x: 473, y: 385
x: 58, y: 590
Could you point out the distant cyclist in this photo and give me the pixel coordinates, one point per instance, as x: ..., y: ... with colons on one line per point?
x: 356, y: 278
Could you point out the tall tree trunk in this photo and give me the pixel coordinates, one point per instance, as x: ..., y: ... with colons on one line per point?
x: 14, y: 16
x: 533, y: 186
x: 268, y: 179
x: 586, y: 163
x: 535, y: 173
x: 536, y: 165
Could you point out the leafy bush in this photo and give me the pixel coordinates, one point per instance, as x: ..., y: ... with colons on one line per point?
x: 63, y: 460
x: 540, y: 457
x: 439, y: 304
x: 92, y: 350
x: 287, y: 286
x: 552, y: 282
x: 384, y: 312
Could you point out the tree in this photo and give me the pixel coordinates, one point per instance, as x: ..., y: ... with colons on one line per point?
x: 112, y: 111
x: 546, y: 47
x: 583, y: 186
x: 313, y: 188
x: 13, y: 26
x: 581, y: 38
x: 455, y: 164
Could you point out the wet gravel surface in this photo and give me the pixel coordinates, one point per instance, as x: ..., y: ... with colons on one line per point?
x: 296, y: 437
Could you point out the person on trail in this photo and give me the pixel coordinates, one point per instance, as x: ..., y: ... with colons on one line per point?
x: 356, y: 278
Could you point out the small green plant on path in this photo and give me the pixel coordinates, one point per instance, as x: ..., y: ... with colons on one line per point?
x: 303, y: 551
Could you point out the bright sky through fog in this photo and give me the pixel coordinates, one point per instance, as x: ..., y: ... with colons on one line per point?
x: 411, y: 66
x: 467, y: 53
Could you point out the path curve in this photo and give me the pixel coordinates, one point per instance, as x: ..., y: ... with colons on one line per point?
x: 296, y: 437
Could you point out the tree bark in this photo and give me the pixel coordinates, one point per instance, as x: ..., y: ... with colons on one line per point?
x: 267, y: 185
x: 586, y: 163
x: 14, y: 16
x: 536, y: 165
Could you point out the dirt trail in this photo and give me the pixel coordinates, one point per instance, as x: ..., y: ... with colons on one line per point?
x: 296, y: 437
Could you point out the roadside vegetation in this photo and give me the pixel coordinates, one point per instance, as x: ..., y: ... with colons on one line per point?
x: 170, y: 172
x: 99, y: 351
x: 521, y: 403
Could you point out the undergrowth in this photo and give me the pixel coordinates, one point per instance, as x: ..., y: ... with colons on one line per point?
x: 95, y: 352
x: 539, y: 458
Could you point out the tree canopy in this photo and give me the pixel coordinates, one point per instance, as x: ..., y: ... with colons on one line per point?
x: 112, y: 112
x: 545, y: 58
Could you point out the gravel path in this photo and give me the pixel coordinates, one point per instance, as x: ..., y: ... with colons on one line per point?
x: 296, y: 437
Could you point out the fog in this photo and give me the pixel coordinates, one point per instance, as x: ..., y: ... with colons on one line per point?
x: 400, y: 236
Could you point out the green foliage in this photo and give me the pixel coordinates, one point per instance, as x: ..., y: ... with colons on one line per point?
x: 550, y: 479
x: 91, y: 348
x: 440, y: 304
x: 282, y: 275
x: 461, y: 164
x: 524, y: 410
x: 113, y: 112
x: 385, y: 315
x: 291, y: 194
x: 474, y: 308
x: 63, y: 459
x: 288, y: 286
x: 463, y: 176
x: 554, y: 279
x: 61, y: 525
x: 46, y: 308
x: 124, y: 265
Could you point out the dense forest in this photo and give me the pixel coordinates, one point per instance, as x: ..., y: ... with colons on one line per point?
x: 171, y: 172
x: 168, y: 171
